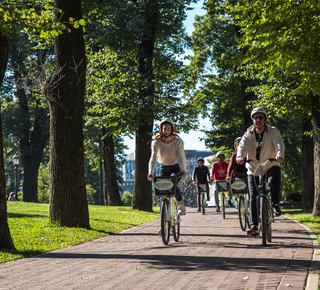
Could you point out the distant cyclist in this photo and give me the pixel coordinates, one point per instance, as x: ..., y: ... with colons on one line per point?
x: 236, y: 170
x: 201, y: 175
x: 259, y: 143
x: 219, y: 172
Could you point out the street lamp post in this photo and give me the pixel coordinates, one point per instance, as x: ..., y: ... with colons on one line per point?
x: 15, y: 160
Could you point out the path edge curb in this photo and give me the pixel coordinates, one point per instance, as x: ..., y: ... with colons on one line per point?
x: 313, y: 273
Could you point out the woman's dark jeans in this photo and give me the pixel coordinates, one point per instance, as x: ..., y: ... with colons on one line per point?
x: 168, y: 170
x: 274, y: 181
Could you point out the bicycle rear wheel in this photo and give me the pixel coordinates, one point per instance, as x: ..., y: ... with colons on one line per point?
x: 264, y: 220
x: 242, y: 213
x: 223, y: 205
x: 165, y: 221
x: 176, y: 225
x: 203, y: 203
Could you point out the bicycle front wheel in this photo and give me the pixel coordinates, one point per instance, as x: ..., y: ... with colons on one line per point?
x: 269, y: 220
x: 242, y: 213
x: 203, y: 203
x: 223, y: 205
x: 165, y: 221
x: 264, y: 220
x: 176, y: 225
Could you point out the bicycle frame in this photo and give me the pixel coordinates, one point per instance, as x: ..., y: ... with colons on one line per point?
x: 239, y: 188
x: 202, y: 189
x: 264, y: 210
x: 223, y: 187
x: 165, y: 187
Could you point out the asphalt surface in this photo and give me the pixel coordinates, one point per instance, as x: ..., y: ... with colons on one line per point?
x: 212, y: 253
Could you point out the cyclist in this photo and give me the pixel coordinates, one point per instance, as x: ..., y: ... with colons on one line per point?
x: 168, y: 149
x: 259, y: 143
x: 219, y: 172
x: 234, y: 169
x: 202, y: 175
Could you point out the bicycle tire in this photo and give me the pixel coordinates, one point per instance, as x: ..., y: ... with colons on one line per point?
x: 165, y: 221
x: 242, y: 213
x: 176, y: 225
x: 264, y: 220
x: 223, y: 205
x: 203, y: 204
x: 269, y: 220
x: 247, y: 210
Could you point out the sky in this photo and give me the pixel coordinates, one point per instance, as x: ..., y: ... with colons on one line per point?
x: 191, y: 140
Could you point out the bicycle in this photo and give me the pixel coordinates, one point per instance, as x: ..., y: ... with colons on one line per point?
x: 202, y: 189
x: 264, y: 204
x: 165, y: 187
x: 239, y: 187
x: 222, y: 187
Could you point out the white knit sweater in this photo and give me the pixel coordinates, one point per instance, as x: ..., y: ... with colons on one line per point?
x: 272, y: 146
x: 168, y: 154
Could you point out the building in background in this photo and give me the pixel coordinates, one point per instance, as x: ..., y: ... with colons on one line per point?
x: 128, y: 167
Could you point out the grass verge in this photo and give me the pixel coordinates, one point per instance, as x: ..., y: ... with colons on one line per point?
x: 33, y: 233
x: 304, y: 218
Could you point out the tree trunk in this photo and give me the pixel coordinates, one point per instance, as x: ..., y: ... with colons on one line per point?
x: 110, y: 169
x: 142, y: 196
x: 67, y: 190
x: 307, y: 167
x: 315, y: 121
x: 5, y: 237
x: 31, y: 163
x: 32, y: 142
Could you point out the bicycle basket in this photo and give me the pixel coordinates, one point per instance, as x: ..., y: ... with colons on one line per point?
x: 165, y: 185
x: 238, y: 186
x: 202, y: 187
x: 222, y: 185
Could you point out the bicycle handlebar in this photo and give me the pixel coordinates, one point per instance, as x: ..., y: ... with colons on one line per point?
x: 261, y: 164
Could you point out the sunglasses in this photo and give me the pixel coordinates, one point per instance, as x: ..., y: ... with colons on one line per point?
x: 258, y: 118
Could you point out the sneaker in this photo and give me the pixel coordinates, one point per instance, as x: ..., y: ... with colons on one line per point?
x: 208, y: 198
x: 230, y: 203
x: 199, y: 208
x: 277, y: 210
x: 182, y: 210
x: 218, y: 209
x: 253, y: 232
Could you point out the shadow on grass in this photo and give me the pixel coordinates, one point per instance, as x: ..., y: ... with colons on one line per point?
x: 25, y: 254
x: 23, y: 215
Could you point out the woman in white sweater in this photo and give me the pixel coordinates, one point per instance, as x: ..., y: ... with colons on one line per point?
x: 168, y: 149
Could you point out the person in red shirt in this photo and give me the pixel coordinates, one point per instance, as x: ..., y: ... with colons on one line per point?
x: 219, y: 172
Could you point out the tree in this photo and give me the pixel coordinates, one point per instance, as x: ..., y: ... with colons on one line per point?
x: 33, y: 121
x: 228, y: 95
x: 144, y: 83
x: 15, y: 16
x: 65, y: 96
x: 281, y: 41
x: 5, y: 237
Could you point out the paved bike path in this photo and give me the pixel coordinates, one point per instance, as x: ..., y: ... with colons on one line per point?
x: 213, y: 253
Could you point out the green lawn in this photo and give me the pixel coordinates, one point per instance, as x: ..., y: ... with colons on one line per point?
x: 32, y: 232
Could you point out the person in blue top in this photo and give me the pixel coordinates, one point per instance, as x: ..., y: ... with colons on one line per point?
x: 201, y: 175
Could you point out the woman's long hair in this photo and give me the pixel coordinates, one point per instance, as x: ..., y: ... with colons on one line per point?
x: 160, y: 135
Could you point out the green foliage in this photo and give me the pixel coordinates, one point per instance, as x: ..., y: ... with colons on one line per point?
x: 43, y: 183
x: 32, y: 232
x: 33, y: 17
x: 221, y: 93
x: 114, y: 81
x: 126, y: 198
